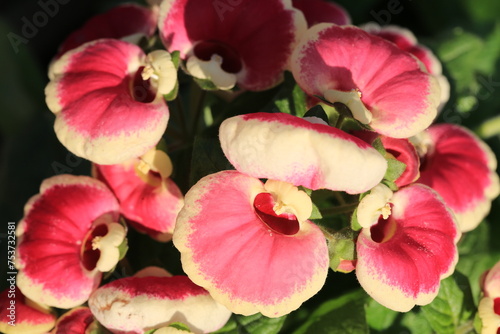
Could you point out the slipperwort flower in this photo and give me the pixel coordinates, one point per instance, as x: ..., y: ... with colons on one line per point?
x: 147, y: 195
x: 382, y: 85
x: 107, y: 96
x: 407, y: 41
x: 489, y: 305
x: 236, y: 236
x: 292, y: 149
x: 221, y: 44
x: 138, y: 304
x: 461, y: 168
x: 406, y: 247
x: 20, y: 315
x: 68, y: 236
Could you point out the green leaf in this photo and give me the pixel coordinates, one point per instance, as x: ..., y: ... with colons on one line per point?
x: 394, y: 169
x: 317, y: 111
x: 379, y: 317
x: 206, y: 84
x: 173, y: 94
x: 377, y: 144
x: 416, y: 323
x: 207, y: 158
x: 345, y: 314
x: 290, y: 99
x: 255, y: 324
x: 453, y: 307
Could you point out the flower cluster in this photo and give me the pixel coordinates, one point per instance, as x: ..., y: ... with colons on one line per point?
x: 250, y: 222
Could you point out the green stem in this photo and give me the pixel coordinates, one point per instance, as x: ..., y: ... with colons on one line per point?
x: 340, y: 120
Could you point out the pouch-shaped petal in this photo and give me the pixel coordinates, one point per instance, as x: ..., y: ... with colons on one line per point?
x: 288, y: 148
x: 57, y: 266
x: 247, y: 256
x: 105, y: 112
x: 19, y: 315
x: 75, y: 321
x: 384, y: 86
x: 402, y: 259
x: 138, y: 304
x: 150, y: 201
x: 252, y: 40
x: 462, y: 169
x: 407, y: 41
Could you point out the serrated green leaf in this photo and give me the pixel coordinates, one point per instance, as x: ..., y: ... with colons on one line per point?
x: 453, y: 307
x: 290, y: 98
x: 345, y: 314
x: 255, y: 324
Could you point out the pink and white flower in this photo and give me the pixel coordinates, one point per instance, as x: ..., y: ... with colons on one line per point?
x: 283, y: 147
x: 76, y: 321
x: 250, y: 244
x: 134, y: 305
x: 240, y: 42
x: 68, y: 236
x: 322, y: 11
x: 383, y: 86
x: 19, y: 314
x: 107, y: 96
x: 489, y: 305
x: 147, y: 195
x: 407, y: 41
x: 400, y: 149
x: 461, y: 168
x: 406, y: 247
x: 129, y: 22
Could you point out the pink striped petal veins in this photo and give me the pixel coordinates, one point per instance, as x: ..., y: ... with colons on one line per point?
x: 287, y: 148
x: 462, y: 169
x: 254, y: 38
x: 105, y: 112
x: 400, y: 97
x: 54, y: 235
x: 240, y: 251
x: 402, y: 259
